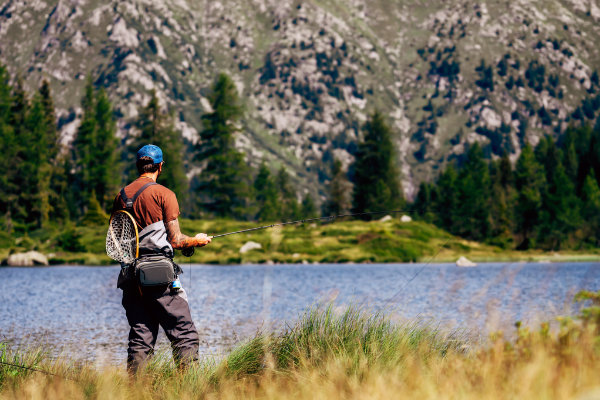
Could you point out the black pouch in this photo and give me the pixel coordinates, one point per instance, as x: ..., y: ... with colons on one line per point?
x: 155, y: 270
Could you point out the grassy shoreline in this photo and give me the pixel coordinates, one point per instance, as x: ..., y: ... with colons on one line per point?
x: 351, y: 241
x: 348, y: 353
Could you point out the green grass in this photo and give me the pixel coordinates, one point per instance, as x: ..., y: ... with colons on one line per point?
x: 347, y: 353
x: 341, y: 241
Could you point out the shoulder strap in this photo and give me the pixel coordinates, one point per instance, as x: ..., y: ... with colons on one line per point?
x: 129, y: 201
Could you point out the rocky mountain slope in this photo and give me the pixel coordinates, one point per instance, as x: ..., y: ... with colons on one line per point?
x: 447, y: 73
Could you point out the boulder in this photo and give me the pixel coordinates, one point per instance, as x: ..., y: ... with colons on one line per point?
x: 27, y: 259
x: 250, y: 246
x: 405, y: 218
x: 465, y: 262
x: 386, y: 218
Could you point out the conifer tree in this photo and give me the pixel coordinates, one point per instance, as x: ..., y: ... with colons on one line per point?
x: 529, y: 181
x: 473, y: 196
x: 57, y: 175
x: 224, y: 184
x: 156, y: 127
x: 106, y: 171
x: 266, y: 195
x: 560, y: 207
x: 8, y: 161
x: 502, y: 200
x: 308, y: 209
x: 5, y: 95
x: 590, y: 209
x: 36, y: 191
x: 83, y: 153
x: 24, y: 159
x: 339, y: 190
x: 50, y: 121
x: 287, y: 198
x: 376, y: 181
x: 446, y: 204
x: 94, y: 153
x: 425, y: 202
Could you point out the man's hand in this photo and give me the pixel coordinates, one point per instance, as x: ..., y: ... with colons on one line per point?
x: 203, y: 239
x: 180, y: 241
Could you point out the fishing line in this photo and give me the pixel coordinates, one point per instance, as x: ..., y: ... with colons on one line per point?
x: 302, y: 221
x: 419, y: 271
x: 38, y: 370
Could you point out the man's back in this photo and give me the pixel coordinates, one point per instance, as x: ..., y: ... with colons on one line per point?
x: 152, y: 209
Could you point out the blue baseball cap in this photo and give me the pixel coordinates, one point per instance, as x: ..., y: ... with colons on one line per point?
x: 152, y: 151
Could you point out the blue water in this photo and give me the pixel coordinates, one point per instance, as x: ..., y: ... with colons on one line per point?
x: 76, y: 311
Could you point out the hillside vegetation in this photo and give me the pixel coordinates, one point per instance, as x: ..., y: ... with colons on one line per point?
x: 343, y: 241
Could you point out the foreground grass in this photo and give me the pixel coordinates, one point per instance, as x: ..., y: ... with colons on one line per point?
x: 343, y: 241
x: 352, y: 354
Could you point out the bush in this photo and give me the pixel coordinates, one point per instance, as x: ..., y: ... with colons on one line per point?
x: 70, y: 240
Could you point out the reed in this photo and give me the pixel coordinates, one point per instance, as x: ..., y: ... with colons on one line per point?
x: 353, y: 353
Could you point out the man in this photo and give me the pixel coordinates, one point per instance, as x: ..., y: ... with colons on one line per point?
x: 155, y: 209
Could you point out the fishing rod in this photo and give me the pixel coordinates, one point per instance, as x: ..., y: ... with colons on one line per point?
x: 302, y: 221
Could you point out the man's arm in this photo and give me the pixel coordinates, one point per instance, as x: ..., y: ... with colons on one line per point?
x: 180, y: 241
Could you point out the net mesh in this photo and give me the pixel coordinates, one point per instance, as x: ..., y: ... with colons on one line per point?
x: 121, y: 241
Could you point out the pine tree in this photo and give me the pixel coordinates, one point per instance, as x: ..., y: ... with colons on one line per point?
x: 224, y: 186
x: 529, y: 181
x: 266, y: 195
x: 308, y: 209
x: 84, y: 145
x: 49, y: 121
x: 376, y: 181
x: 156, y: 127
x: 286, y: 196
x: 57, y: 174
x: 94, y: 153
x: 339, y: 190
x: 446, y: 204
x: 502, y: 200
x: 106, y: 170
x: 8, y: 161
x: 424, y: 204
x: 24, y: 159
x: 590, y: 209
x: 570, y: 157
x: 473, y: 187
x: 36, y: 193
x: 559, y: 215
x: 5, y: 95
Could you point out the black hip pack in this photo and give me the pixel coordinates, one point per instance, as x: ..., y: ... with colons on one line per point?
x: 156, y: 270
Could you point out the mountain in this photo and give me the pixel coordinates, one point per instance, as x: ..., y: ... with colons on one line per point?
x: 447, y: 73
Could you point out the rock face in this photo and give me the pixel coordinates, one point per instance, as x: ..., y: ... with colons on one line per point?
x: 27, y: 259
x: 465, y: 262
x: 250, y: 246
x: 310, y: 73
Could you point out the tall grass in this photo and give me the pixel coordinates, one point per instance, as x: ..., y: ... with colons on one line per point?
x: 353, y: 353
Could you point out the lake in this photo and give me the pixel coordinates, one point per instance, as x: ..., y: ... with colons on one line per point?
x: 76, y: 311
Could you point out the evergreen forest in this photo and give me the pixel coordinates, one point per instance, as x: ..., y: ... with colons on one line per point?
x: 546, y: 198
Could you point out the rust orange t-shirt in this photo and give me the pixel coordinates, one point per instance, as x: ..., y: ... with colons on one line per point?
x: 156, y: 203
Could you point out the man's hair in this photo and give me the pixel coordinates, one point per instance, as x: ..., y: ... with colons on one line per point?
x: 145, y: 165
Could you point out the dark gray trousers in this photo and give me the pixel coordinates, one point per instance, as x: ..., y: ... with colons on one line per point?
x: 147, y: 310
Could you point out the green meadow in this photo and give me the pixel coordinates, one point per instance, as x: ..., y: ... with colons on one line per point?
x: 342, y: 241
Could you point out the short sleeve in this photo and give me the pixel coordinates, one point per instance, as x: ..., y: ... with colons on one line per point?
x: 171, y: 207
